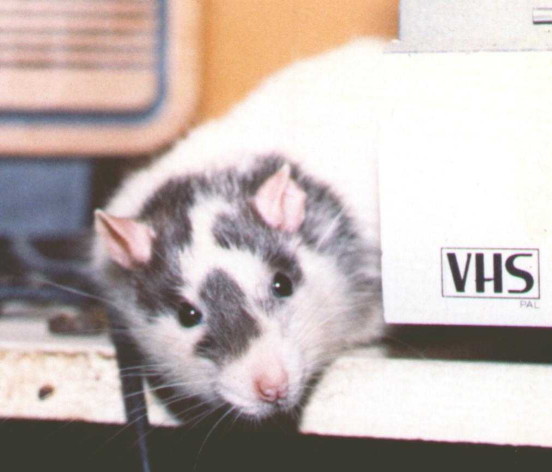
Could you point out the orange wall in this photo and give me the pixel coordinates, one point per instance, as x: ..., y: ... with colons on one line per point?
x: 245, y: 40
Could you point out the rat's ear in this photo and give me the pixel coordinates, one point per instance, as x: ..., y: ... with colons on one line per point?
x: 281, y: 202
x: 128, y: 242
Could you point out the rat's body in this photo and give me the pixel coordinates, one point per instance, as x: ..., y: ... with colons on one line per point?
x: 247, y: 258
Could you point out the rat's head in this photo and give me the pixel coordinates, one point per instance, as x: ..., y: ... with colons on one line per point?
x: 238, y: 288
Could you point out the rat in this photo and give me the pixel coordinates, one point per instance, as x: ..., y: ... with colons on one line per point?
x: 247, y: 258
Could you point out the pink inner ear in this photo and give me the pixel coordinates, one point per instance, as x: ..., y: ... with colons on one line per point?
x: 128, y: 242
x: 281, y: 202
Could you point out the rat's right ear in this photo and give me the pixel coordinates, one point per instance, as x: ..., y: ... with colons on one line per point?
x: 280, y: 201
x: 128, y: 241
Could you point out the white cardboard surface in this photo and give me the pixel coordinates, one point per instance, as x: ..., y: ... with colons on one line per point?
x: 466, y: 168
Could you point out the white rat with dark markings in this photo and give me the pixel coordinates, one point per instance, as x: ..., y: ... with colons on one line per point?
x: 247, y: 258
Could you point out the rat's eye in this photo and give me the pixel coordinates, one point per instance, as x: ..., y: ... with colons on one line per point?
x: 189, y: 315
x: 281, y: 285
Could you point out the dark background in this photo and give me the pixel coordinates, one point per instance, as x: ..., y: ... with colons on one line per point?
x: 50, y: 446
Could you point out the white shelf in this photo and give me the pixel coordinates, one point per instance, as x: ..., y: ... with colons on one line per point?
x: 451, y: 401
x: 79, y: 371
x: 459, y: 401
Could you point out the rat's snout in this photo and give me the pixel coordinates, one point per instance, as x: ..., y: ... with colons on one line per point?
x: 265, y: 380
x: 271, y: 385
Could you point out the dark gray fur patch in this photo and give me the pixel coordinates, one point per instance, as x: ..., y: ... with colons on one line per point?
x: 157, y: 284
x: 230, y: 328
x: 167, y: 211
x: 243, y: 231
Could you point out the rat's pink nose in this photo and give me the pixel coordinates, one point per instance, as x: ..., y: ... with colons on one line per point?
x: 271, y: 388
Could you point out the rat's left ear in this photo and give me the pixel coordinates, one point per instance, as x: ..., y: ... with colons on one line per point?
x: 281, y: 202
x: 128, y: 241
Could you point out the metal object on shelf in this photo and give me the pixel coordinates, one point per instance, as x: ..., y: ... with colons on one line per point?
x: 474, y: 25
x: 542, y: 16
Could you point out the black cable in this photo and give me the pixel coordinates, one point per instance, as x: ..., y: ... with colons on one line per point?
x: 132, y: 386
